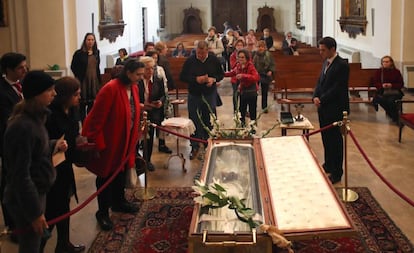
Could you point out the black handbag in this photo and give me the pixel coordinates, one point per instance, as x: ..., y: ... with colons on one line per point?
x: 391, y: 92
x: 84, y: 153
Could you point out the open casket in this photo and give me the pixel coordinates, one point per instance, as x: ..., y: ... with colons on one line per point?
x: 281, y: 180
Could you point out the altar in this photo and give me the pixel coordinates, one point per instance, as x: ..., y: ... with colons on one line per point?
x: 280, y: 179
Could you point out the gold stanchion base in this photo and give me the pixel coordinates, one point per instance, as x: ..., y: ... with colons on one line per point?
x: 347, y: 195
x: 144, y: 193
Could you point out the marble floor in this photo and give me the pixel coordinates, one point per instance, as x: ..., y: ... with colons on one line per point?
x: 375, y: 133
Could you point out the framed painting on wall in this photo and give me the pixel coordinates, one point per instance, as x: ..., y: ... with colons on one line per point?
x: 3, y: 13
x: 353, y: 18
x: 111, y: 23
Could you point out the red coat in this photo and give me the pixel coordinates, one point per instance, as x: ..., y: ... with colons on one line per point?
x: 391, y: 75
x: 249, y: 79
x: 108, y: 125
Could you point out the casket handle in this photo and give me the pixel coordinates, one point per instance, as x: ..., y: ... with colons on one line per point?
x: 229, y: 243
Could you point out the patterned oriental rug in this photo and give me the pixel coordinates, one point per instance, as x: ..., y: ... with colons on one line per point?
x: 161, y: 226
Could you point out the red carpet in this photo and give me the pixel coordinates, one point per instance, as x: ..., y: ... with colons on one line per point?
x: 161, y: 226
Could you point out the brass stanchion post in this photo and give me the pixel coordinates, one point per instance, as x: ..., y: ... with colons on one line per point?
x: 347, y: 195
x: 145, y: 193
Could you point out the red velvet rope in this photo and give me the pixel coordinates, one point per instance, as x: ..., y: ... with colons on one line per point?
x: 321, y: 129
x: 400, y: 194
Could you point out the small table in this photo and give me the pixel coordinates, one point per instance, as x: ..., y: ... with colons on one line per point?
x: 176, y: 103
x: 305, y: 125
x: 183, y: 126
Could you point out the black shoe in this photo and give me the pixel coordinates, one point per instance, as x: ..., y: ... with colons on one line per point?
x: 164, y: 149
x: 193, y: 153
x: 150, y: 166
x: 375, y: 106
x: 104, y: 221
x: 126, y: 207
x: 69, y: 248
x: 334, y: 179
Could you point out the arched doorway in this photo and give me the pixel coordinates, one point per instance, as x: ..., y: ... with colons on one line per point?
x: 265, y: 19
x: 192, y: 21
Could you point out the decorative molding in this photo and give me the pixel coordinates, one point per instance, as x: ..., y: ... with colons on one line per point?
x: 111, y: 31
x: 192, y: 21
x: 353, y: 25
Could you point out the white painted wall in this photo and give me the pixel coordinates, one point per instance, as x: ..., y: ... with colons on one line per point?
x: 284, y: 13
x: 174, y: 14
x: 132, y: 38
x: 308, y: 20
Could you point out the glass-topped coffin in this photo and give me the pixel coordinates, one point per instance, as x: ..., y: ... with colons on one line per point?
x: 233, y: 165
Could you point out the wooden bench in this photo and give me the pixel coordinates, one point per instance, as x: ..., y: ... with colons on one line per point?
x: 176, y: 65
x: 297, y: 82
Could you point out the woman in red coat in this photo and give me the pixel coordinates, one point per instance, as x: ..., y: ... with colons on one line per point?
x: 246, y: 77
x: 113, y: 125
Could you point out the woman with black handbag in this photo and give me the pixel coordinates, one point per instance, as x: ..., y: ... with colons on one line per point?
x: 63, y: 122
x: 389, y: 82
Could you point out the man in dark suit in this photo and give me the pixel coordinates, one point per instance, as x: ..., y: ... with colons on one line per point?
x: 152, y: 95
x: 13, y: 68
x: 332, y: 99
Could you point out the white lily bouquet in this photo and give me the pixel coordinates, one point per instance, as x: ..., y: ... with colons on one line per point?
x: 239, y: 131
x: 215, y: 196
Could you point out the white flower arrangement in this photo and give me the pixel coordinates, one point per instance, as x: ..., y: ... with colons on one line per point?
x: 215, y: 196
x: 239, y: 131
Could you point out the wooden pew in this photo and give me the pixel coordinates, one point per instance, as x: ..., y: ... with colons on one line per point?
x: 300, y: 78
x: 181, y: 88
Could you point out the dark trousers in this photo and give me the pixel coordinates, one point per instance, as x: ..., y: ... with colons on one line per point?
x: 7, y: 218
x: 113, y: 195
x: 236, y: 98
x: 150, y: 143
x: 57, y: 204
x: 251, y: 102
x: 196, y: 103
x: 333, y: 149
x: 389, y: 105
x: 265, y: 90
x: 29, y: 241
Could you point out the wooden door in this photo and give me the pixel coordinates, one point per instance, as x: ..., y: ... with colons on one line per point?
x: 232, y: 11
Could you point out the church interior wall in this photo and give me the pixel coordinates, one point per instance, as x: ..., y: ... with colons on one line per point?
x: 132, y: 38
x: 388, y: 31
x: 46, y: 34
x: 307, y: 20
x: 284, y: 14
x: 174, y: 14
